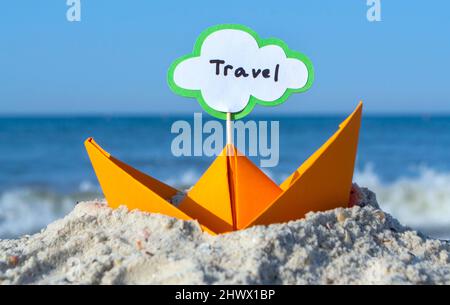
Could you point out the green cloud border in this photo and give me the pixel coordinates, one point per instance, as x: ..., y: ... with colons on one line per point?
x: 253, y: 100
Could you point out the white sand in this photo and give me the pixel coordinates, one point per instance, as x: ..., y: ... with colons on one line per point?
x: 97, y: 245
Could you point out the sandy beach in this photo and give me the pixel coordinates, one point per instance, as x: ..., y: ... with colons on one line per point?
x: 97, y: 245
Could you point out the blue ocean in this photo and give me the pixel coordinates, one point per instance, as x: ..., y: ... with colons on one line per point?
x: 45, y: 171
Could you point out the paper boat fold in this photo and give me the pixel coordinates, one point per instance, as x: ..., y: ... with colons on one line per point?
x: 234, y: 193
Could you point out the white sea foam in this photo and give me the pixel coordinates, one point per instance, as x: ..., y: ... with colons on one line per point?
x: 421, y: 202
x: 185, y: 180
x: 28, y: 210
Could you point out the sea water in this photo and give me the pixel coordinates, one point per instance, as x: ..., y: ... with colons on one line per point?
x: 44, y: 169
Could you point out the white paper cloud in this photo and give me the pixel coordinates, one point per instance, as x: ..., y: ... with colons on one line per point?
x: 231, y: 67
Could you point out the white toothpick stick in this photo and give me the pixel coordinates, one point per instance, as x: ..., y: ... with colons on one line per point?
x: 229, y: 133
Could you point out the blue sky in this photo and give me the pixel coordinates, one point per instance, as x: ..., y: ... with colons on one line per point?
x: 115, y: 60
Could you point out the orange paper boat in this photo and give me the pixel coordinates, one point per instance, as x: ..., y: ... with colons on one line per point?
x: 234, y: 193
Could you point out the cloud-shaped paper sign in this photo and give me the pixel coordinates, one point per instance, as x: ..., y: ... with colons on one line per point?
x: 231, y: 69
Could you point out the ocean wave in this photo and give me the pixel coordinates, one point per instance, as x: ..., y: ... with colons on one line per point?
x: 185, y: 180
x: 421, y: 201
x: 28, y: 210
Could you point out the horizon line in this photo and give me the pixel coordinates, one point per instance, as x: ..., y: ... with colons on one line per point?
x: 181, y: 114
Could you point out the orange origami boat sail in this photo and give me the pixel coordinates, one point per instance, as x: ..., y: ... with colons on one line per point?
x: 323, y: 181
x: 234, y: 193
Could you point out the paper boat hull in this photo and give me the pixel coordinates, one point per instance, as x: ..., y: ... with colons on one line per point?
x: 124, y: 185
x: 233, y: 193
